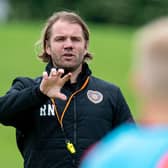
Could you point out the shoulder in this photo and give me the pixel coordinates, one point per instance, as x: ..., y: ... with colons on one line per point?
x: 26, y: 81
x: 140, y: 142
x: 116, y: 138
x: 109, y: 147
x: 111, y: 139
x: 124, y: 133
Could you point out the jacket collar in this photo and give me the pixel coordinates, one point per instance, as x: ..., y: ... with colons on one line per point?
x: 81, y: 77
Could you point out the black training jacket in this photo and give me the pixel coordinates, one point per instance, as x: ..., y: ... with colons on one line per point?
x: 92, y: 113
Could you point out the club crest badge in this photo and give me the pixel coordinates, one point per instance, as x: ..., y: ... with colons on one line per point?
x: 94, y: 96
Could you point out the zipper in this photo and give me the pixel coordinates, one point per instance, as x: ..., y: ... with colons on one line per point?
x: 75, y: 128
x: 75, y: 122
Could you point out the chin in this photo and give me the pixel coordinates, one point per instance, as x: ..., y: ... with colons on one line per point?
x: 69, y: 69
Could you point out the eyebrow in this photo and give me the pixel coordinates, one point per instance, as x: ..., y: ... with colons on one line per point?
x: 64, y: 36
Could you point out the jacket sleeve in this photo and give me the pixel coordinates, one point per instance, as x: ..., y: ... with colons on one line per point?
x: 122, y: 114
x: 19, y: 101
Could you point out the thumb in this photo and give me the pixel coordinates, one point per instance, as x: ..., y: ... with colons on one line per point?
x: 61, y: 96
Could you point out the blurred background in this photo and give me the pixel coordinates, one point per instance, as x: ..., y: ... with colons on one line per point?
x: 112, y: 25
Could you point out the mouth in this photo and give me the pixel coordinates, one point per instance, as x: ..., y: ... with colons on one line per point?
x: 68, y: 55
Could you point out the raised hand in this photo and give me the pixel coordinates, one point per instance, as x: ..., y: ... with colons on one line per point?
x: 51, y: 85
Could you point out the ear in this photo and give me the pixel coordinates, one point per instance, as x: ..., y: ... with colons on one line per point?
x: 86, y: 47
x: 47, y: 48
x: 86, y: 44
x: 138, y: 84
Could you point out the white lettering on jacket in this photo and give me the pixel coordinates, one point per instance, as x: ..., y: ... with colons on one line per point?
x: 47, y: 110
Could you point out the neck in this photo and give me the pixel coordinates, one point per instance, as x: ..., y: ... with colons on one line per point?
x: 75, y: 74
x: 155, y: 113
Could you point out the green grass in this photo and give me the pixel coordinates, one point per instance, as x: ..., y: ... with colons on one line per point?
x: 111, y: 46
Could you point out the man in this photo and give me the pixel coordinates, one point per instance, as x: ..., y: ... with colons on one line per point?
x: 144, y: 146
x: 59, y: 115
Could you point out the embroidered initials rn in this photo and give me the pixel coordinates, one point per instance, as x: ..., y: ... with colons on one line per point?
x: 47, y: 110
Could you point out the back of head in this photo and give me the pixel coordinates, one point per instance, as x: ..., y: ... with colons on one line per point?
x: 151, y: 52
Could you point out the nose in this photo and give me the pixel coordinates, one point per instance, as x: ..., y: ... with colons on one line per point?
x: 68, y: 44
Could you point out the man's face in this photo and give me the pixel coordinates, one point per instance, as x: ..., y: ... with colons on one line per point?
x: 67, y: 45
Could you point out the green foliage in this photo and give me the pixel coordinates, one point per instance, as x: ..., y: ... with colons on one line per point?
x: 38, y: 9
x: 119, y: 11
x: 151, y: 9
x: 130, y: 12
x: 110, y: 45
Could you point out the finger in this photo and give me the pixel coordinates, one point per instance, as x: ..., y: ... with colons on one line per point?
x: 61, y: 96
x: 66, y: 77
x: 53, y: 72
x: 45, y: 75
x: 60, y: 72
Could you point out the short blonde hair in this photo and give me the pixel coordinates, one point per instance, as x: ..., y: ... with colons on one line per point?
x: 151, y: 53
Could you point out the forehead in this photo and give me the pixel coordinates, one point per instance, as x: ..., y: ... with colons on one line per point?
x: 62, y: 27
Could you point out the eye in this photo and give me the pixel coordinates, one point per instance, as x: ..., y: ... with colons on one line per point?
x: 76, y: 39
x: 59, y: 39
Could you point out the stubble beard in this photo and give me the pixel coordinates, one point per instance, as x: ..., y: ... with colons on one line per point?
x: 68, y: 68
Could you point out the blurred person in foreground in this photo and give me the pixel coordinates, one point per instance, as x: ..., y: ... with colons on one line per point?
x: 60, y: 114
x: 144, y: 145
